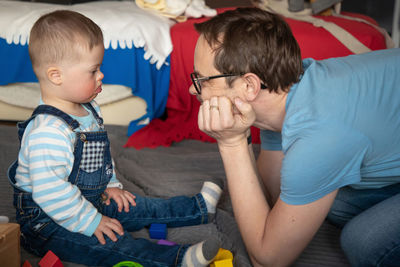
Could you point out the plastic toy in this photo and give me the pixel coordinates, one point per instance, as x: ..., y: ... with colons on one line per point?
x: 166, y: 242
x: 223, y: 259
x: 222, y: 263
x: 128, y: 264
x: 158, y: 231
x: 50, y: 260
x: 27, y: 264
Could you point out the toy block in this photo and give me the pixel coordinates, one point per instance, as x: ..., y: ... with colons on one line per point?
x: 223, y: 259
x: 10, y: 252
x: 223, y: 254
x: 166, y: 242
x: 27, y: 264
x: 50, y: 260
x: 222, y: 263
x: 158, y: 231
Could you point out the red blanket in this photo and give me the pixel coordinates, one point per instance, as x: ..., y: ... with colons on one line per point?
x: 182, y: 108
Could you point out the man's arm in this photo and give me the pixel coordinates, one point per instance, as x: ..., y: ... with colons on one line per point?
x: 273, y: 237
x: 269, y: 165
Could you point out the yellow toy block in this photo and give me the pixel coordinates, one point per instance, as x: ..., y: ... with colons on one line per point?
x: 223, y: 259
x: 222, y: 263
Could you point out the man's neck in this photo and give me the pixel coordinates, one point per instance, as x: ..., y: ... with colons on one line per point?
x: 271, y: 110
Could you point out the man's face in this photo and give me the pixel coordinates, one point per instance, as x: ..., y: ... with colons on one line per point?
x: 204, y: 67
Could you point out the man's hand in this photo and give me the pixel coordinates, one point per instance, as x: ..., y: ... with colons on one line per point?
x: 227, y: 123
x: 122, y: 197
x: 108, y: 226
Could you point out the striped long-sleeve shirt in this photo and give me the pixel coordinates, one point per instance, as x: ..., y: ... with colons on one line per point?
x: 45, y: 162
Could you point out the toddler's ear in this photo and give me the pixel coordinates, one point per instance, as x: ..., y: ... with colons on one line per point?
x: 54, y: 75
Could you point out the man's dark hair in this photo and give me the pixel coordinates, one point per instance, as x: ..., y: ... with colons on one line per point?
x: 253, y: 40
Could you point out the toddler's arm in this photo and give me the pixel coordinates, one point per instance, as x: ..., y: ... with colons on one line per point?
x: 46, y: 159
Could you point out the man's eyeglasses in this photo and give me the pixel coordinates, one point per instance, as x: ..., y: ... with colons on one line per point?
x: 197, y: 80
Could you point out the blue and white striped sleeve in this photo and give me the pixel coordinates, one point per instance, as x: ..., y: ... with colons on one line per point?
x: 50, y: 157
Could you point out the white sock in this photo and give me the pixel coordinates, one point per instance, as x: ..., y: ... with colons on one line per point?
x: 211, y: 193
x: 201, y: 254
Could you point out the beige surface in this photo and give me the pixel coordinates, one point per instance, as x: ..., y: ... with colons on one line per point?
x: 118, y: 105
x: 118, y: 113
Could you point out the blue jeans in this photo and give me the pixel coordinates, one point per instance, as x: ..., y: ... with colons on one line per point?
x: 43, y: 234
x: 371, y: 225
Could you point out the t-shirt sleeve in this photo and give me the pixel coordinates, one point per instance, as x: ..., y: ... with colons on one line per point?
x: 316, y: 165
x: 270, y: 140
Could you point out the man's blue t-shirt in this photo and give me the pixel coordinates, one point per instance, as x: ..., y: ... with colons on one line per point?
x: 342, y: 126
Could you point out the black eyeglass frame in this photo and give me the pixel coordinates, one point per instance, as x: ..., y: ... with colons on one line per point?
x: 197, y: 80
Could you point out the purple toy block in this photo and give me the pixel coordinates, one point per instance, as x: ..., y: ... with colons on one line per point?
x: 158, y: 231
x: 166, y: 242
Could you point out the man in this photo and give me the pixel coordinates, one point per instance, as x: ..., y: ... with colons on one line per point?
x: 330, y: 133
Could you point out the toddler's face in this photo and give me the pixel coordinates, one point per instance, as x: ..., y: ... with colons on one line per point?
x: 82, y: 77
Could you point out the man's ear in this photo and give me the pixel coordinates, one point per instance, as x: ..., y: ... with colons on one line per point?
x: 253, y: 83
x: 54, y: 75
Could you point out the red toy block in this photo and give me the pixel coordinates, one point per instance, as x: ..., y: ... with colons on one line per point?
x: 27, y: 264
x: 50, y: 260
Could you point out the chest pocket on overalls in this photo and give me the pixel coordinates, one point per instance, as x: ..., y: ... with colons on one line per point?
x: 92, y: 156
x: 94, y: 170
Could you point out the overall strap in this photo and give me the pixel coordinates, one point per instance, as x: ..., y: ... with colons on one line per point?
x: 94, y: 112
x: 41, y: 109
x: 46, y: 109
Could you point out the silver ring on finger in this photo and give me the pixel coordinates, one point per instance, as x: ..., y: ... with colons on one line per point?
x: 214, y: 107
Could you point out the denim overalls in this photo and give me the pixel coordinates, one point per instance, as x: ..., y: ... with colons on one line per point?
x: 91, y: 172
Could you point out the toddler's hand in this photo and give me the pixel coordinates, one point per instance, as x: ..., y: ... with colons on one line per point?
x: 122, y: 197
x: 108, y: 226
